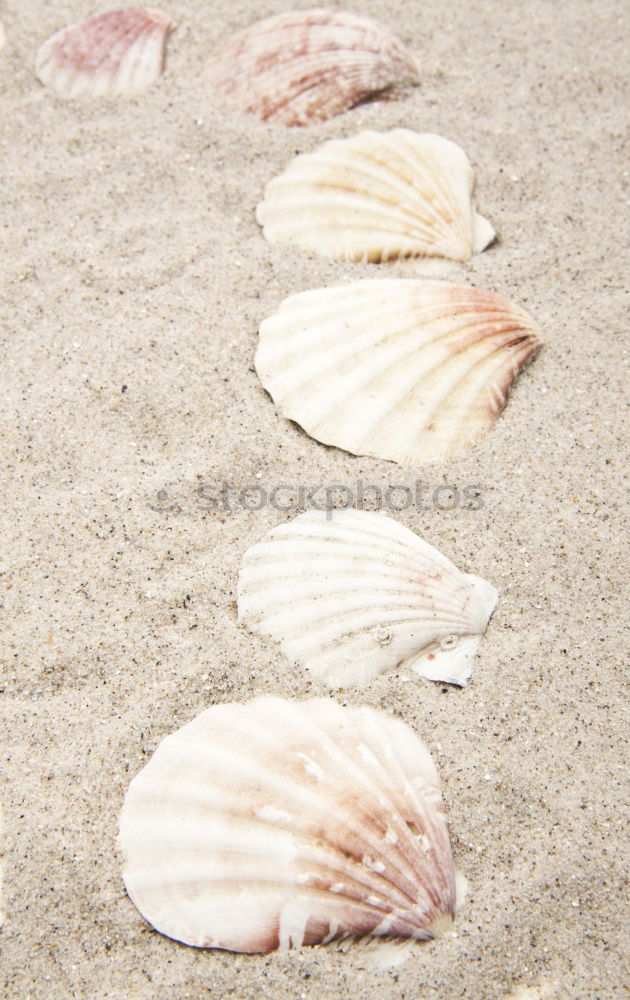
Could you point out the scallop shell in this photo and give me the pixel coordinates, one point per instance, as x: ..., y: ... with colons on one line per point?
x: 120, y: 52
x: 375, y: 197
x: 403, y: 369
x: 306, y: 66
x: 276, y: 824
x: 350, y: 594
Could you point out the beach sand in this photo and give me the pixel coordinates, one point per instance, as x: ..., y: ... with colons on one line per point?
x: 135, y: 278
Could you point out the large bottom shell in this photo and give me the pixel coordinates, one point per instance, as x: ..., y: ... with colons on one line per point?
x: 277, y: 824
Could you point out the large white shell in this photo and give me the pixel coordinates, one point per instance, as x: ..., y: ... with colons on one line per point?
x: 308, y: 65
x: 119, y: 52
x: 377, y: 196
x: 350, y: 594
x: 276, y: 824
x: 404, y: 369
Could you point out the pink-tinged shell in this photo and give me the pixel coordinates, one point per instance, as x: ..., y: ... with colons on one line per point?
x: 120, y: 52
x: 406, y: 370
x: 307, y: 66
x: 275, y: 824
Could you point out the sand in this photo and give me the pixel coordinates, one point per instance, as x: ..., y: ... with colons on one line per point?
x: 135, y: 277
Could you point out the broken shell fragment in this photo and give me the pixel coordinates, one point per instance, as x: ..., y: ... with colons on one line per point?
x: 375, y: 197
x: 307, y: 66
x: 408, y: 370
x: 120, y: 52
x: 275, y: 824
x: 350, y: 594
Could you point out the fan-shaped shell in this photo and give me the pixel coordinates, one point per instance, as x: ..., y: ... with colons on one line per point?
x: 120, y: 52
x: 276, y: 824
x: 403, y: 369
x: 350, y: 594
x: 377, y: 196
x: 306, y: 66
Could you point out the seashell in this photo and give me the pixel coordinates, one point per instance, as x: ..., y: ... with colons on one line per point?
x: 408, y: 370
x: 277, y: 824
x: 351, y: 593
x: 120, y: 52
x: 307, y: 66
x: 375, y: 197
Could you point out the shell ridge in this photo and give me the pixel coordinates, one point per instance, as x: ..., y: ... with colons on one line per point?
x: 346, y: 526
x: 354, y: 771
x: 368, y: 163
x: 344, y: 548
x: 417, y: 383
x: 257, y: 66
x: 400, y: 596
x: 374, y: 216
x: 327, y: 666
x: 448, y: 207
x: 414, y: 383
x: 454, y: 205
x: 379, y: 527
x: 378, y: 770
x: 360, y: 615
x: 306, y: 798
x: 433, y: 822
x: 362, y: 212
x: 407, y: 336
x: 494, y: 360
x: 387, y: 900
x: 109, y: 54
x: 334, y: 625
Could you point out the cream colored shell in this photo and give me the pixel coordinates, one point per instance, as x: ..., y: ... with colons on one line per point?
x: 350, y: 594
x: 375, y: 197
x: 408, y: 370
x: 306, y: 66
x: 276, y: 824
x: 119, y: 52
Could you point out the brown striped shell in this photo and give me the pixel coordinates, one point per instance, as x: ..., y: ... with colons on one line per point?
x: 307, y: 66
x: 377, y: 196
x: 277, y: 824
